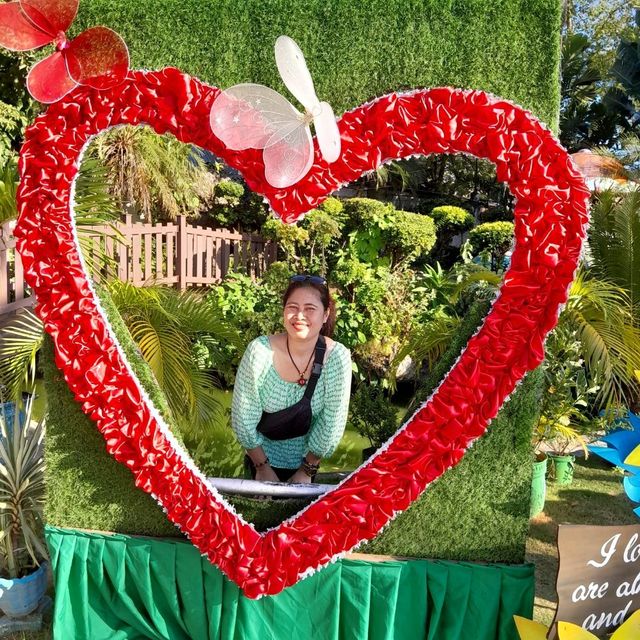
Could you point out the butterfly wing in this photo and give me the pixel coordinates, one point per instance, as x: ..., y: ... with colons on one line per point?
x: 295, y: 74
x: 250, y: 116
x: 98, y: 57
x: 48, y: 80
x: 17, y: 33
x: 51, y: 16
x: 288, y: 159
x: 327, y: 133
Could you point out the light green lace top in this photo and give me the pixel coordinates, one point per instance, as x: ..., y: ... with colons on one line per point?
x: 259, y: 388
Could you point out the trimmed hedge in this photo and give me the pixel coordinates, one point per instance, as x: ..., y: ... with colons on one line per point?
x: 479, y: 510
x: 452, y: 220
x: 412, y: 234
x: 355, y: 51
x: 494, y: 237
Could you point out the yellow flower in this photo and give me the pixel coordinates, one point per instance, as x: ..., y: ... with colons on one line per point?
x: 530, y: 630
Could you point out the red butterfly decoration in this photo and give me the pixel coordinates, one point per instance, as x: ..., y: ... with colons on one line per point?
x: 98, y: 57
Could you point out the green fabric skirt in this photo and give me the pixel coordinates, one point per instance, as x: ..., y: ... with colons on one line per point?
x: 117, y: 587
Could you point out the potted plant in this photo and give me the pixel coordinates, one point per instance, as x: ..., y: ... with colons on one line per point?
x: 564, y: 423
x: 373, y: 416
x: 23, y: 569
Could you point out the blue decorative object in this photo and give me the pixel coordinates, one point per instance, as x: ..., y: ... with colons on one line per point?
x: 21, y: 596
x: 620, y: 443
x: 8, y: 414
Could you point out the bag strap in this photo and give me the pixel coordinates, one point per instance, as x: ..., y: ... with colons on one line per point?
x: 321, y: 347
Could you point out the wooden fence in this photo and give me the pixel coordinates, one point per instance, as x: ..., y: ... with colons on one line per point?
x: 175, y: 254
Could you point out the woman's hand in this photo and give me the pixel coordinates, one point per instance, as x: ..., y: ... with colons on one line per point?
x: 299, y: 477
x: 265, y: 473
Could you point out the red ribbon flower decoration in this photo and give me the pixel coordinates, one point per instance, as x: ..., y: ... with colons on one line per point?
x: 98, y: 57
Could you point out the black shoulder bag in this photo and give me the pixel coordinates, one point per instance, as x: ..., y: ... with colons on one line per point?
x: 295, y: 421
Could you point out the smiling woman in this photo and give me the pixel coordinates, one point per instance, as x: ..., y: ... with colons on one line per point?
x: 291, y: 396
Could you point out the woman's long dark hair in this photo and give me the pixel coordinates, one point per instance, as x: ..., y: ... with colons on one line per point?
x: 327, y: 302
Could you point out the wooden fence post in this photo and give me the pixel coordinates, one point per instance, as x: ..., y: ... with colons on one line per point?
x: 124, y: 251
x: 181, y: 258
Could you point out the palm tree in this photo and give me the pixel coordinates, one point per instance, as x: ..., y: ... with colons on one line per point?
x: 164, y: 323
x: 20, y: 340
x: 588, y: 115
x: 601, y: 315
x: 614, y: 242
x: 156, y: 174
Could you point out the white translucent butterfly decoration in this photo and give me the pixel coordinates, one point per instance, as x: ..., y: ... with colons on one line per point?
x: 252, y: 116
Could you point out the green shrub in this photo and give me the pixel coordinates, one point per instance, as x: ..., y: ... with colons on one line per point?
x: 451, y: 221
x: 253, y: 212
x: 412, y: 235
x: 290, y: 238
x: 324, y: 231
x: 375, y: 312
x: 367, y: 213
x: 224, y: 211
x: 367, y: 223
x: 334, y: 207
x: 372, y: 414
x: 495, y: 238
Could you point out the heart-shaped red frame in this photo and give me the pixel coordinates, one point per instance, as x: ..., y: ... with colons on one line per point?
x: 550, y: 223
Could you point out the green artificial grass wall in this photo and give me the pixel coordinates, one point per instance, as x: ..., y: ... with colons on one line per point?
x: 85, y: 487
x: 479, y: 510
x: 355, y: 50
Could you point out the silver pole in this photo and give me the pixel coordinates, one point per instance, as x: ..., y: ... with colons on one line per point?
x: 242, y: 487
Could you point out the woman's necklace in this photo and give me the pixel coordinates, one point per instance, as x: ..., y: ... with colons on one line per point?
x: 301, y: 379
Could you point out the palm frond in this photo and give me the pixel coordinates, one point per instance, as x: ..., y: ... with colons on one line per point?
x: 601, y: 315
x: 96, y: 215
x: 614, y: 241
x: 154, y: 173
x: 20, y: 340
x: 427, y: 343
x: 164, y: 323
x: 8, y: 187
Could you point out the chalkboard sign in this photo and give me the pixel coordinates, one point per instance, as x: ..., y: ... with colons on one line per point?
x: 599, y: 576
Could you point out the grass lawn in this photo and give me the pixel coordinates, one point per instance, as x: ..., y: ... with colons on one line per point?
x: 596, y: 497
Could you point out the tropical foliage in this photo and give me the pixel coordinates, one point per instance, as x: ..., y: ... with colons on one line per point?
x: 8, y: 185
x: 21, y: 492
x: 156, y: 176
x: 165, y: 323
x: 614, y: 242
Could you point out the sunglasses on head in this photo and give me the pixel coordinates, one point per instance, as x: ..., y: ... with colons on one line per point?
x: 307, y: 278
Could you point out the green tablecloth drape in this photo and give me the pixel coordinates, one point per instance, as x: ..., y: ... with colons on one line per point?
x: 117, y: 587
